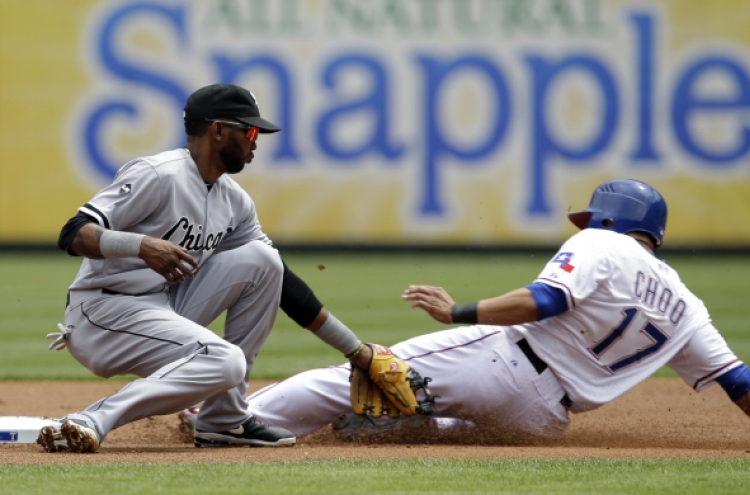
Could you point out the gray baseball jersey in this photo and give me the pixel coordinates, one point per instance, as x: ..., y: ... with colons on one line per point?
x: 164, y: 196
x: 124, y: 318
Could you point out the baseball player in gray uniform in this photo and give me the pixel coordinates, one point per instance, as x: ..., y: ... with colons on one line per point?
x: 603, y: 315
x: 168, y: 246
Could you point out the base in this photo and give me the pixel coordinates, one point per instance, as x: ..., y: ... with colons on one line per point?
x: 23, y: 429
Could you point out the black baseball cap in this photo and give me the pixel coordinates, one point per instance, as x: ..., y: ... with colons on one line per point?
x: 227, y: 101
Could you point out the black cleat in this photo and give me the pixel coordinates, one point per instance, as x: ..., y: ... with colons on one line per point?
x: 252, y: 432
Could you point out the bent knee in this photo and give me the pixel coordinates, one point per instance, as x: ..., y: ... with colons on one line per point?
x: 231, y: 362
x: 235, y: 366
x: 256, y: 260
x: 261, y: 254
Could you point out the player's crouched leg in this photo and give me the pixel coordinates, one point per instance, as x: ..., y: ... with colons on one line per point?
x: 230, y: 365
x: 254, y: 263
x: 246, y: 279
x: 251, y: 431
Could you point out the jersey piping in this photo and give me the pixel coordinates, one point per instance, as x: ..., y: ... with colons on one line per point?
x: 439, y: 351
x: 712, y: 375
x: 566, y: 290
x: 127, y: 332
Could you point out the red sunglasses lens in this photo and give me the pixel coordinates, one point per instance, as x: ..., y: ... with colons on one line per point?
x: 252, y: 134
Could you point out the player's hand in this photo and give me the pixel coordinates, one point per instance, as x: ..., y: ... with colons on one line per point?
x: 364, y: 358
x: 434, y: 300
x: 167, y: 259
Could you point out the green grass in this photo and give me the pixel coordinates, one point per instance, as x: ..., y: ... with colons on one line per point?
x: 712, y: 477
x: 363, y: 290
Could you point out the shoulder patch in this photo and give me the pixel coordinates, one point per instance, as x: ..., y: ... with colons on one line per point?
x: 125, y: 189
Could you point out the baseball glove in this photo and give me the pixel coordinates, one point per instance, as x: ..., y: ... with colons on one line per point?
x: 397, y: 384
x: 367, y: 398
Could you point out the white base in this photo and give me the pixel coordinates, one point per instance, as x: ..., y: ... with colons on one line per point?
x: 23, y: 429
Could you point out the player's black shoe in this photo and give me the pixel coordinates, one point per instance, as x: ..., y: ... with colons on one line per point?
x: 252, y: 432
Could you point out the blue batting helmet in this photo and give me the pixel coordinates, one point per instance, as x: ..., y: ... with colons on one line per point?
x: 625, y: 205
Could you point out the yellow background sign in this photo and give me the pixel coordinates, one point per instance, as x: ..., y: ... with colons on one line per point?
x: 404, y: 122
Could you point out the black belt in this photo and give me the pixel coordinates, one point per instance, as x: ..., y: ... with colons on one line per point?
x: 539, y: 365
x: 115, y: 293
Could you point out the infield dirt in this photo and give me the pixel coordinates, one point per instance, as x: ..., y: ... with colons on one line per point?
x: 661, y: 418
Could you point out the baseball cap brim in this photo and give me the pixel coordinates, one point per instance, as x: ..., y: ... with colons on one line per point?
x: 262, y: 124
x: 580, y: 219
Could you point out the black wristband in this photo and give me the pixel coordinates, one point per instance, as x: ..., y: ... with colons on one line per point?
x: 465, y: 313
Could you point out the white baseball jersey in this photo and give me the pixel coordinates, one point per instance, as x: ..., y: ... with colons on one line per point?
x: 164, y: 196
x: 629, y: 315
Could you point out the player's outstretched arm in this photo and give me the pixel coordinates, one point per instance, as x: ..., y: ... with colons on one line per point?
x: 164, y: 257
x: 513, y: 308
x: 736, y: 383
x: 299, y: 303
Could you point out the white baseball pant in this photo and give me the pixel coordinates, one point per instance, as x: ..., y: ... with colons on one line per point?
x: 477, y: 372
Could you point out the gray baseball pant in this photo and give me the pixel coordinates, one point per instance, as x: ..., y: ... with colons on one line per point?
x: 162, y: 338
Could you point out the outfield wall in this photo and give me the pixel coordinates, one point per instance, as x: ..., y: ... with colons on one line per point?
x: 405, y: 122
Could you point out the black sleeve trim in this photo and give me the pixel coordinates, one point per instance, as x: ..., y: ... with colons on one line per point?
x: 298, y: 300
x: 97, y: 215
x: 70, y: 230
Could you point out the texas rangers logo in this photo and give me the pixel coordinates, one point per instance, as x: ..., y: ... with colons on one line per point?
x: 564, y: 260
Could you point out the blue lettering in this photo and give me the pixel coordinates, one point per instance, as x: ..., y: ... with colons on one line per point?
x: 651, y: 288
x: 644, y: 26
x: 678, y: 312
x: 664, y: 300
x: 91, y: 135
x: 231, y: 69
x: 686, y: 103
x: 127, y: 71
x: 544, y: 145
x: 436, y: 145
x: 638, y: 280
x: 375, y: 103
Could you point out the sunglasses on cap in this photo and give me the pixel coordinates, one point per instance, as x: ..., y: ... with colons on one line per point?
x: 251, y: 134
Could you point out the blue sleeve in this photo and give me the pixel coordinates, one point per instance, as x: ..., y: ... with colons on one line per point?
x: 550, y: 301
x: 736, y: 383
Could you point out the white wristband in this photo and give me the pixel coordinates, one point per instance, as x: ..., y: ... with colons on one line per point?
x: 338, y: 336
x: 114, y: 244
